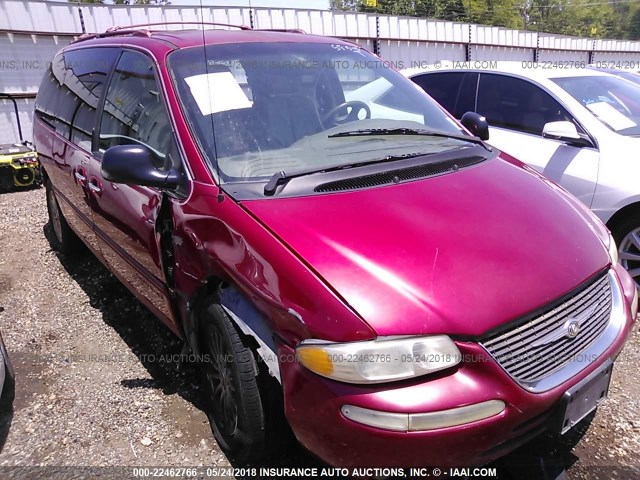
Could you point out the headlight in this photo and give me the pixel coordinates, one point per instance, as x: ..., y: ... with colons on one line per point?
x: 380, y: 360
x: 613, y: 250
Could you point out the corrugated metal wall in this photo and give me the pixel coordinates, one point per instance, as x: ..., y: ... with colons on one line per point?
x: 31, y: 31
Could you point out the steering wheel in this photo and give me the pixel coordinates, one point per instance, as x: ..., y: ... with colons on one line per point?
x: 333, y: 117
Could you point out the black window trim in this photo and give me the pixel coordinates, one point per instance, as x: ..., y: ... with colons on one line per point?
x: 107, y: 78
x: 475, y: 97
x: 163, y: 93
x: 49, y: 118
x: 96, y: 131
x: 475, y: 93
x: 459, y: 72
x: 426, y: 74
x: 98, y: 121
x: 545, y: 90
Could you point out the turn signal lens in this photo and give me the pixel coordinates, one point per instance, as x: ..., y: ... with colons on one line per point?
x: 317, y: 360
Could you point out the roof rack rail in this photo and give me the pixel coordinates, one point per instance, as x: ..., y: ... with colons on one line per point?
x: 89, y: 36
x: 216, y: 24
x: 283, y: 30
x: 138, y: 30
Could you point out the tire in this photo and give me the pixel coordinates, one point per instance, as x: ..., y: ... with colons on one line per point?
x: 230, y: 374
x: 62, y: 238
x: 626, y: 233
x: 8, y: 393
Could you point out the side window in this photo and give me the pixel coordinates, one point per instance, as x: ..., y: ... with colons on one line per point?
x: 55, y: 103
x: 85, y: 74
x: 47, y: 98
x: 134, y: 111
x: 443, y: 87
x: 517, y: 104
x: 70, y: 91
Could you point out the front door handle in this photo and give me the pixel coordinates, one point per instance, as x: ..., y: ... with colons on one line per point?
x: 80, y: 178
x: 95, y: 188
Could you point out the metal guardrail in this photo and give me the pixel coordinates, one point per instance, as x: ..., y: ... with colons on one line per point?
x: 54, y: 17
x: 31, y: 31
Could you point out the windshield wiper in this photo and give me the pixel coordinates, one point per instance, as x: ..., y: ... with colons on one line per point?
x: 408, y: 131
x: 282, y: 177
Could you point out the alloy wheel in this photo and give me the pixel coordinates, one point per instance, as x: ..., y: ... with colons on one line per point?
x: 629, y: 253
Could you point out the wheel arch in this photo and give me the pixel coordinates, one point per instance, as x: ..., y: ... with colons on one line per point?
x: 195, y: 303
x: 250, y: 322
x: 43, y: 173
x: 622, y: 215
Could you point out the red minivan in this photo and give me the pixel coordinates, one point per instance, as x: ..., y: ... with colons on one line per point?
x: 305, y: 217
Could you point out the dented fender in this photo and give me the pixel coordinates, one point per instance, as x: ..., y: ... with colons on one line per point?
x: 217, y: 242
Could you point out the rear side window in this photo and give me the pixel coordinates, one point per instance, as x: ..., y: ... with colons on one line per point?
x: 71, y: 89
x: 516, y: 104
x: 47, y: 98
x: 443, y: 87
x: 134, y: 112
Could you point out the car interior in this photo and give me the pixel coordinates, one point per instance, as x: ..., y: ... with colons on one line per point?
x: 287, y: 105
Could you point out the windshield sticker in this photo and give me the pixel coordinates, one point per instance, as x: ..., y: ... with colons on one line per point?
x: 609, y: 115
x: 349, y: 48
x: 217, y: 92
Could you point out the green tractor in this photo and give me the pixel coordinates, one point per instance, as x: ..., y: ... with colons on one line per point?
x: 19, y: 165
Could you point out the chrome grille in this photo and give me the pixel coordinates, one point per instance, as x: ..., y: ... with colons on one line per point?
x: 542, y: 346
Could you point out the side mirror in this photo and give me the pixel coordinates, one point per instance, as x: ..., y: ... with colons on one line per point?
x: 565, y: 132
x: 133, y: 165
x: 476, y: 124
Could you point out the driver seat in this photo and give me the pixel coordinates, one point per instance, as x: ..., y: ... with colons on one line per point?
x: 290, y: 117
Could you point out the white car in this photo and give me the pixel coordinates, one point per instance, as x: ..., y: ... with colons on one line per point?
x: 578, y: 127
x: 630, y: 75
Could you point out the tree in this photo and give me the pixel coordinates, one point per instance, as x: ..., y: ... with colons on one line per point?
x: 568, y: 17
x: 453, y: 10
x: 344, y: 4
x: 499, y: 13
x: 390, y: 7
x: 490, y: 12
x: 633, y: 24
x: 585, y: 18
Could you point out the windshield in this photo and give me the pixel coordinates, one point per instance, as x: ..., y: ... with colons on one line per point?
x: 632, y: 77
x: 260, y: 108
x: 614, y: 101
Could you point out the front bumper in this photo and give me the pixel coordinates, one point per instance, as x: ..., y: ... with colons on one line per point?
x: 314, y: 409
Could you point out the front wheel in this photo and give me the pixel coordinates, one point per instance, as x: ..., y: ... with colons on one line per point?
x: 627, y: 237
x: 235, y: 407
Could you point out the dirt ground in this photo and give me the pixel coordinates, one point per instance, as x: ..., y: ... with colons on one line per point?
x: 96, y: 385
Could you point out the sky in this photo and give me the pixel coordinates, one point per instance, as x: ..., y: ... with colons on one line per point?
x: 306, y: 4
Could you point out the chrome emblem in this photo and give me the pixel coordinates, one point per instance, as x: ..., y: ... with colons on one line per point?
x: 570, y: 329
x: 573, y: 329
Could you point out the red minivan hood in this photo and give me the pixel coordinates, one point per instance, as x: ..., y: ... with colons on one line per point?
x: 459, y: 254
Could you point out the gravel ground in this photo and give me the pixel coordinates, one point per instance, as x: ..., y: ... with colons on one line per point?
x: 96, y: 387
